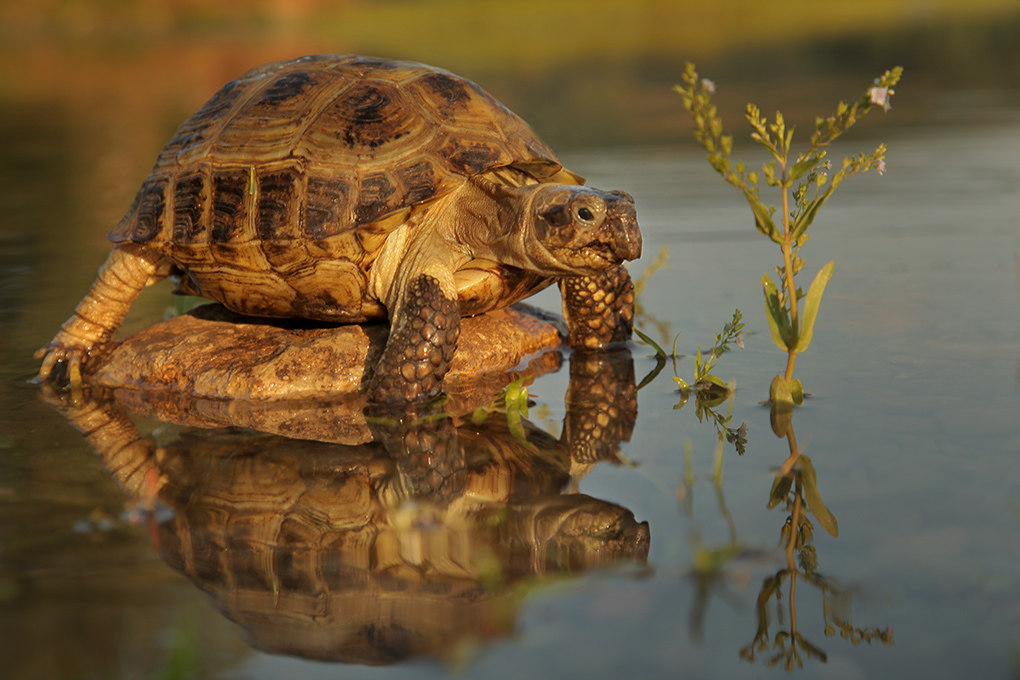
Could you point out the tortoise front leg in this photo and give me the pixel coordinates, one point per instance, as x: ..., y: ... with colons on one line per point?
x: 423, y: 338
x: 599, y: 310
x: 126, y: 272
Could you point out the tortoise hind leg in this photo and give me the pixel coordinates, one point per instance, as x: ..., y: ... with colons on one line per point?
x: 423, y: 339
x: 599, y: 310
x: 127, y: 271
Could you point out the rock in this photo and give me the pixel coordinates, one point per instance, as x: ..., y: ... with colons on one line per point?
x: 215, y: 354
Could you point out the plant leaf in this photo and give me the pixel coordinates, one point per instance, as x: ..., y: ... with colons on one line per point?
x: 709, y: 378
x: 685, y: 395
x: 813, y: 498
x: 811, y: 303
x: 780, y: 489
x: 797, y: 392
x: 808, y: 216
x: 762, y: 217
x: 798, y: 169
x: 813, y: 651
x: 658, y: 350
x: 781, y: 418
x: 779, y: 390
x: 660, y: 363
x: 776, y: 314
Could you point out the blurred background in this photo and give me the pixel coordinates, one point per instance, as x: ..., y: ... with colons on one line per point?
x: 90, y: 91
x: 113, y: 79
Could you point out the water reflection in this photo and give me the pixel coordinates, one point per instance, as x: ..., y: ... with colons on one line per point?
x: 417, y: 542
x: 795, y: 489
x: 716, y: 568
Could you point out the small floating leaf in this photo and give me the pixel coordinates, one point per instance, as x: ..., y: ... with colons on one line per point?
x: 797, y: 392
x: 781, y: 416
x: 779, y: 391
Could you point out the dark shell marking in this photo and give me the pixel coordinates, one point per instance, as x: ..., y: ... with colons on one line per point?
x: 284, y: 180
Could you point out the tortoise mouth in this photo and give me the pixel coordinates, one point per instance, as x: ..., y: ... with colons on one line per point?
x: 592, y: 258
x: 597, y: 251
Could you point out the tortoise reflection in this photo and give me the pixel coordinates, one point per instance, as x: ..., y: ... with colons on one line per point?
x: 412, y: 544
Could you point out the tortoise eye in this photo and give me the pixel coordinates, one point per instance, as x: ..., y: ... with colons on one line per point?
x: 585, y: 215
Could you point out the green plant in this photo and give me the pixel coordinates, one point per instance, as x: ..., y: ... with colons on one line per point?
x: 512, y: 401
x: 805, y: 184
x: 733, y: 332
x: 709, y: 390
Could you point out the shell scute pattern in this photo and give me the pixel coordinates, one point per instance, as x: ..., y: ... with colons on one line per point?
x: 369, y: 116
x: 194, y: 135
x: 150, y: 208
x: 327, y: 206
x: 190, y: 202
x: 229, y: 190
x: 278, y: 201
x: 418, y: 181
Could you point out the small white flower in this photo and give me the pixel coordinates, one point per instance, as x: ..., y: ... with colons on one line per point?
x: 708, y: 85
x: 881, y: 96
x: 881, y: 167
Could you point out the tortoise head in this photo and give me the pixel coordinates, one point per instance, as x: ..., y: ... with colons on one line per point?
x: 584, y: 230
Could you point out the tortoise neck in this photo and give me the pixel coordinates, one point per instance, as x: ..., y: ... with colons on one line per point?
x: 494, y: 220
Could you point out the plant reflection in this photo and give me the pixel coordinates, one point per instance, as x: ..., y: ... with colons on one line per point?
x: 420, y: 542
x: 795, y: 489
x: 712, y: 565
x: 717, y: 567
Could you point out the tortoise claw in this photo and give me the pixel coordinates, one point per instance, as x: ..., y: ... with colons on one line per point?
x: 62, y: 361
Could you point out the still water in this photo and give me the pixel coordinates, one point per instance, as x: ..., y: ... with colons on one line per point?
x: 271, y: 557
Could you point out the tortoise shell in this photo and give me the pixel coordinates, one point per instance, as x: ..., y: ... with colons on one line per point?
x: 276, y: 196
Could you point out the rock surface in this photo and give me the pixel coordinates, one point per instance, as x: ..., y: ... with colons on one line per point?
x: 213, y: 353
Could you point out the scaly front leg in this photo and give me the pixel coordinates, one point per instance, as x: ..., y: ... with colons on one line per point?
x: 423, y: 338
x: 127, y: 270
x: 599, y: 310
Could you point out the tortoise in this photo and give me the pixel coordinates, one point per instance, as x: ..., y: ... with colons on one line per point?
x: 345, y: 189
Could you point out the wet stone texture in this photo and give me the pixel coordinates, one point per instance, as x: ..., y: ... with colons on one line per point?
x: 211, y: 352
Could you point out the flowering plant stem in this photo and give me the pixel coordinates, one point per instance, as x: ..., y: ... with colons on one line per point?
x: 804, y: 185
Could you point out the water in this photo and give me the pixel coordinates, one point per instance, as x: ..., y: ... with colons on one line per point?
x: 911, y: 427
